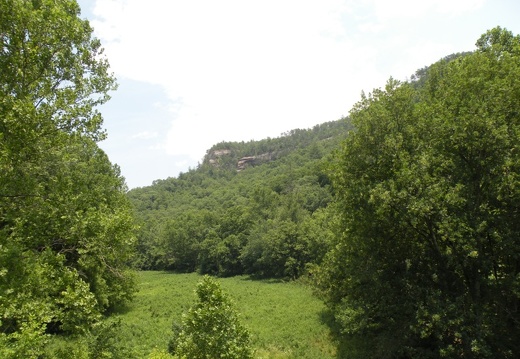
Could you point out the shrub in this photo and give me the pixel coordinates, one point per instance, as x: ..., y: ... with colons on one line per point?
x: 211, y: 328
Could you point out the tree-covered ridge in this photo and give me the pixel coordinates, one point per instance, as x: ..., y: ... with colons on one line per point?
x: 219, y: 220
x: 228, y: 154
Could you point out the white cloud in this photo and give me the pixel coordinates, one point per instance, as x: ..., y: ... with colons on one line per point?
x: 458, y: 7
x: 181, y: 164
x: 385, y: 9
x: 145, y: 135
x: 237, y: 70
x: 371, y: 27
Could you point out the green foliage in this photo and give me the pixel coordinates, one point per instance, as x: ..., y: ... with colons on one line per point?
x: 65, y: 222
x: 425, y: 263
x: 104, y: 340
x: 160, y: 354
x: 284, y: 318
x: 211, y: 328
x: 219, y: 221
x: 284, y: 249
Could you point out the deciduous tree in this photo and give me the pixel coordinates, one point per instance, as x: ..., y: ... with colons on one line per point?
x: 211, y: 328
x: 426, y: 264
x: 65, y: 224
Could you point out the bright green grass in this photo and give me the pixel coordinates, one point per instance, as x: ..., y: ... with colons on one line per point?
x: 283, y: 318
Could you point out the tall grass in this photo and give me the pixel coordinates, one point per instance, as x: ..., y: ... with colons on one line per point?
x: 283, y: 318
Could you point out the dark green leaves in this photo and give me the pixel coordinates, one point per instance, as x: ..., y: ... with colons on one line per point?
x: 428, y: 191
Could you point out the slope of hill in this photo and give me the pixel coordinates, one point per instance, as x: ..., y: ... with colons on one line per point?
x: 257, y: 207
x: 244, y: 208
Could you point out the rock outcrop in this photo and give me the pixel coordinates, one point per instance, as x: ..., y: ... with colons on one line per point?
x: 217, y: 158
x: 215, y: 155
x: 247, y: 161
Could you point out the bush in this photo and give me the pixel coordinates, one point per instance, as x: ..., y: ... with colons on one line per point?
x: 211, y: 328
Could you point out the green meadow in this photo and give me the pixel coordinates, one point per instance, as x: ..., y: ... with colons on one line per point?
x: 284, y: 318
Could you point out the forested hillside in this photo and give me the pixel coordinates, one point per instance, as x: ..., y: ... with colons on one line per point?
x: 255, y: 207
x: 404, y: 215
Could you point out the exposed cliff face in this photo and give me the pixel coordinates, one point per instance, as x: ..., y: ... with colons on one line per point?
x: 217, y: 157
x: 245, y: 162
x: 213, y: 157
x: 218, y: 153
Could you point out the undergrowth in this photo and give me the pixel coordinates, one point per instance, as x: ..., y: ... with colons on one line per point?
x: 283, y: 317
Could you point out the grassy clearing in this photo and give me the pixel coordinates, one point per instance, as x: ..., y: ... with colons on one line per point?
x: 283, y: 318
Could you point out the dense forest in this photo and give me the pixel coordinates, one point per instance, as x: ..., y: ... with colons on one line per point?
x: 404, y: 216
x: 257, y: 207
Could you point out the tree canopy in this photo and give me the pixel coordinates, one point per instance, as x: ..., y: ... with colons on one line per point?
x: 427, y: 260
x: 66, y: 226
x: 266, y: 219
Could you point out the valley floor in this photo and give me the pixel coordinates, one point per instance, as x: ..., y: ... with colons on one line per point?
x: 284, y: 318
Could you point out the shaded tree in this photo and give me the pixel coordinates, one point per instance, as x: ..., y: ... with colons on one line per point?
x: 426, y: 263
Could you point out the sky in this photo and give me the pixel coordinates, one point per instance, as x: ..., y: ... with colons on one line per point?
x: 193, y: 73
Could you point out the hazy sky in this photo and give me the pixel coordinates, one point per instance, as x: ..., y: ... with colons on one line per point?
x: 194, y: 73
